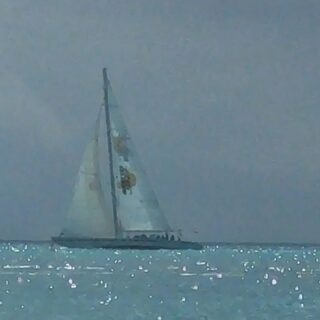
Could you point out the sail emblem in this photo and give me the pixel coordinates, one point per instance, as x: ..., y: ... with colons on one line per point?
x: 120, y: 147
x: 127, y: 180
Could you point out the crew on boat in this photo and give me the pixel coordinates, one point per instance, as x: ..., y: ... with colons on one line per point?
x: 153, y: 236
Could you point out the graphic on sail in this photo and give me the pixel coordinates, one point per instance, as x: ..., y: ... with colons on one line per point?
x: 137, y: 205
x: 88, y: 216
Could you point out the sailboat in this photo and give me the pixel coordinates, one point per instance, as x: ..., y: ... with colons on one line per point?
x: 136, y: 220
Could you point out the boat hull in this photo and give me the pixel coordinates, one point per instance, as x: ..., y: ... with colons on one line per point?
x: 139, y: 244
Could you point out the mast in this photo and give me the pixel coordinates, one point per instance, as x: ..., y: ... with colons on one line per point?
x: 112, y: 180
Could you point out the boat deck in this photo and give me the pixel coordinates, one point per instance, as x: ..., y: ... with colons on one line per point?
x: 140, y: 244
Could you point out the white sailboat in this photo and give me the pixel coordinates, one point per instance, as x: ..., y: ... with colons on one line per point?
x: 136, y: 220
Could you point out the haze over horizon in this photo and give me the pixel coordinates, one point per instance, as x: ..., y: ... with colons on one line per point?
x: 220, y: 97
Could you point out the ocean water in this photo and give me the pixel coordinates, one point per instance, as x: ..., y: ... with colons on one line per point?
x: 39, y: 282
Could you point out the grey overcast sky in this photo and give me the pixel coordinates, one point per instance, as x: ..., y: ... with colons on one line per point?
x: 221, y: 97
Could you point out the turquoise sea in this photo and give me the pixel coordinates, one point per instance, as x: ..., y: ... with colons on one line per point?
x: 42, y: 283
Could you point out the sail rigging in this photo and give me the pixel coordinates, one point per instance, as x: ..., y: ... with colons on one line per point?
x: 108, y: 124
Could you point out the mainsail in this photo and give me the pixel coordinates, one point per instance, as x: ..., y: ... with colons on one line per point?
x: 88, y: 216
x: 137, y: 207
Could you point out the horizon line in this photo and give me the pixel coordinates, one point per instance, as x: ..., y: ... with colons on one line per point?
x: 206, y: 243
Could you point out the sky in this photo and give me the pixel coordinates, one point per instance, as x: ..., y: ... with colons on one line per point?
x: 221, y: 98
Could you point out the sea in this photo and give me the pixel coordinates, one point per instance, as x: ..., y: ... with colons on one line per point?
x: 41, y: 282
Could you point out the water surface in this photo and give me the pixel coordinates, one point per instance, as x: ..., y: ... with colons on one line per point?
x: 38, y: 282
